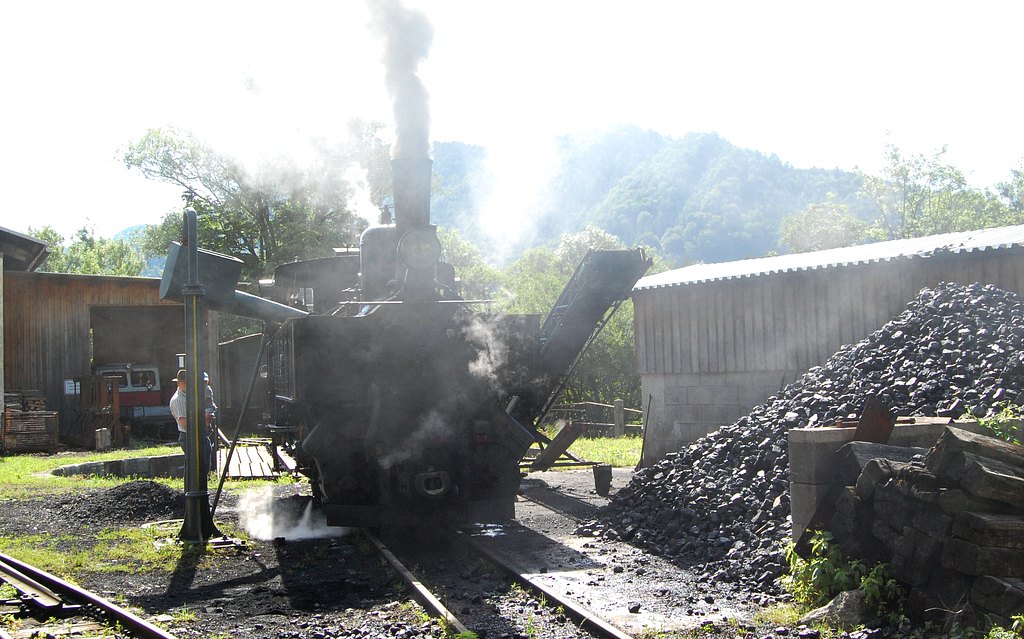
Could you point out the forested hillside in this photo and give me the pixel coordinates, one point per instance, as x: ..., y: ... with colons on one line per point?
x: 694, y: 199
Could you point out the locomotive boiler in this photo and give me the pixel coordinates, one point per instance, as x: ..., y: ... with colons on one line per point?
x: 403, y: 401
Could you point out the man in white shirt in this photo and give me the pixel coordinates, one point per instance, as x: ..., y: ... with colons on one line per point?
x: 179, y: 409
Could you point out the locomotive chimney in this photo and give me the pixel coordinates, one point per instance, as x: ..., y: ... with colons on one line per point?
x: 411, y: 181
x: 418, y: 249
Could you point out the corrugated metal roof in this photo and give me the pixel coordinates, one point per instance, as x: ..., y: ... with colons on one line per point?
x: 1002, y: 237
x: 22, y: 252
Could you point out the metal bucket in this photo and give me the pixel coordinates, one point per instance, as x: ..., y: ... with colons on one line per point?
x: 602, y: 479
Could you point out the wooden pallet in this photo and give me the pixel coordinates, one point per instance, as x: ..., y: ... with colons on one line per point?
x: 248, y: 462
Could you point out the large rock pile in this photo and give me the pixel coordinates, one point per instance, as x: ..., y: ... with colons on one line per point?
x: 722, y: 503
x: 950, y: 523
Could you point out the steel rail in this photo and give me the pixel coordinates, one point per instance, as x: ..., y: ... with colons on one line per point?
x: 134, y: 624
x: 31, y: 590
x: 586, y: 619
x: 420, y: 592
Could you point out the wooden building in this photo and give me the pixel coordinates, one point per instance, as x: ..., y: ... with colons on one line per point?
x: 715, y: 340
x: 18, y: 253
x: 55, y: 327
x: 58, y: 326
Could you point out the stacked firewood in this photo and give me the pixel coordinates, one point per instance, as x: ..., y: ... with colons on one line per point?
x: 24, y: 400
x: 27, y: 426
x: 949, y: 521
x: 33, y: 400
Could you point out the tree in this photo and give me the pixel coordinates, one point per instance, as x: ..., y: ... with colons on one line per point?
x: 825, y: 225
x: 1012, y: 194
x: 917, y: 196
x: 275, y: 213
x: 479, y: 279
x: 88, y: 254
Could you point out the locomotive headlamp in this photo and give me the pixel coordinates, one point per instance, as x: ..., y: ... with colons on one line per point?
x: 419, y: 249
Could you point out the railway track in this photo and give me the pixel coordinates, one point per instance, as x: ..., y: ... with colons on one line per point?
x: 47, y: 606
x: 536, y: 577
x: 491, y: 595
x: 540, y: 575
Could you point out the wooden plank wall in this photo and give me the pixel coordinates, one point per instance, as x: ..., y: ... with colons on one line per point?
x: 46, y: 325
x: 793, y: 321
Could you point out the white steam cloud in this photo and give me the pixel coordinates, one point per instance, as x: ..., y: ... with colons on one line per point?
x: 492, y: 349
x: 265, y: 518
x: 407, y: 36
x: 431, y: 429
x: 361, y: 203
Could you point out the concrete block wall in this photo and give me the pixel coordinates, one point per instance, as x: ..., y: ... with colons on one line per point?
x: 159, y: 466
x: 687, y: 406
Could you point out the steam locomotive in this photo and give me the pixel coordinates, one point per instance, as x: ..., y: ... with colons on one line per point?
x: 402, y: 401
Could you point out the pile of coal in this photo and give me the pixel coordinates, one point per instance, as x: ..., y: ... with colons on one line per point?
x: 721, y: 504
x: 132, y: 502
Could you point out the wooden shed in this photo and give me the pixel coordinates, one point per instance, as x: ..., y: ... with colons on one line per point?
x: 715, y: 340
x: 57, y: 326
x: 18, y: 252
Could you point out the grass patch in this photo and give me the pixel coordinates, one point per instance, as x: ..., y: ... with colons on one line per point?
x: 26, y: 476
x: 706, y: 629
x: 113, y: 550
x: 785, y: 614
x: 128, y: 550
x: 622, y: 452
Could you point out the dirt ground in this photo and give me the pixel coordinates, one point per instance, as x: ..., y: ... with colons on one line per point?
x: 327, y: 586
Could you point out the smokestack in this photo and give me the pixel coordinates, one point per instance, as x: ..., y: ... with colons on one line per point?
x: 407, y: 36
x: 411, y: 182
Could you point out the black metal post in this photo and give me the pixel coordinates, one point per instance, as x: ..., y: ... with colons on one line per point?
x: 198, y: 525
x: 264, y: 343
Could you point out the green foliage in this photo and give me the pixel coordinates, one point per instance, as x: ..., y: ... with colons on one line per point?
x: 25, y: 476
x: 825, y: 573
x: 1014, y: 631
x: 700, y: 199
x: 461, y: 187
x: 1012, y: 195
x: 7, y: 591
x: 89, y: 255
x: 531, y: 627
x: 782, y: 614
x: 269, y: 214
x: 917, y: 196
x: 1003, y: 422
x: 823, y: 225
x: 184, y: 615
x: 693, y: 199
x: 479, y: 279
x: 620, y: 452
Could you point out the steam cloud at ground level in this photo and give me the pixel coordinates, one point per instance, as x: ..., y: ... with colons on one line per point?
x: 264, y: 517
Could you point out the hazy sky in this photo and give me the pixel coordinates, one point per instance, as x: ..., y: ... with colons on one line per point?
x: 817, y: 83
